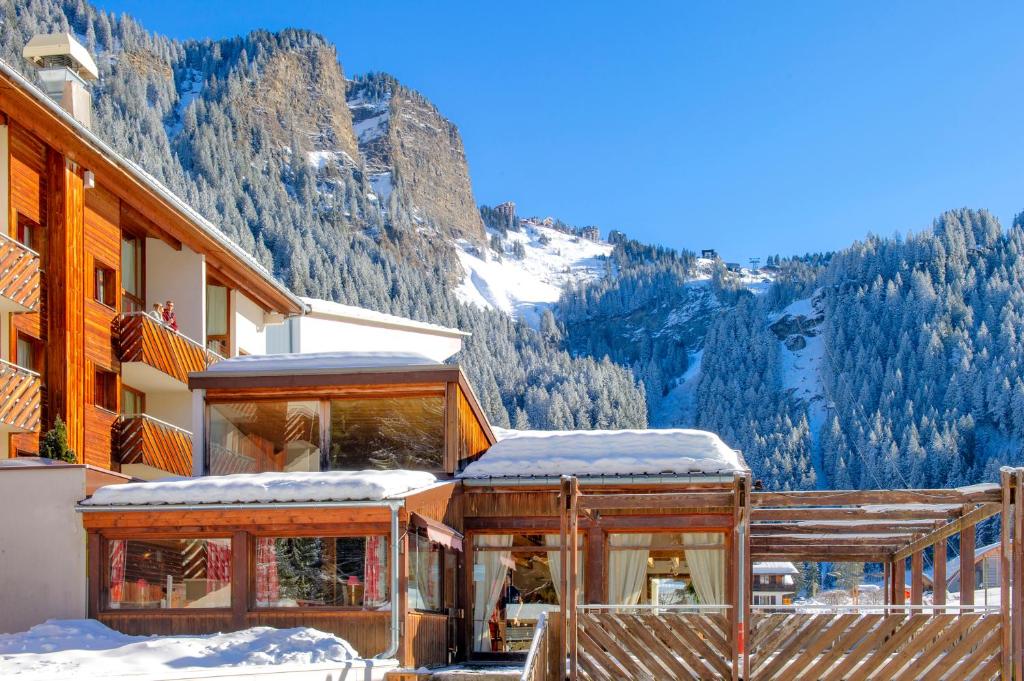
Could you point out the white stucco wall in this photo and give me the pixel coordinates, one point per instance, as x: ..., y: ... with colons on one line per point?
x: 248, y: 332
x: 330, y: 335
x: 42, y: 546
x: 179, y: 276
x: 172, y: 407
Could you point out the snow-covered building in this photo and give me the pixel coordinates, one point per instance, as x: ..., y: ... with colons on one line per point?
x: 774, y: 583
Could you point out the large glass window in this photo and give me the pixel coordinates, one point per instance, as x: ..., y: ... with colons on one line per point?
x: 392, y: 432
x: 298, y: 572
x: 425, y: 560
x: 666, y: 568
x: 218, y: 319
x: 169, y: 573
x: 264, y: 435
x: 515, y: 578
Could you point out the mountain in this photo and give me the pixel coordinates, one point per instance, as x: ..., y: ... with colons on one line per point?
x: 892, y: 361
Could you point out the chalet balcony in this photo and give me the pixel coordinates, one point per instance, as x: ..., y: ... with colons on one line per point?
x: 19, y: 399
x: 156, y: 358
x: 19, y: 277
x: 145, y: 441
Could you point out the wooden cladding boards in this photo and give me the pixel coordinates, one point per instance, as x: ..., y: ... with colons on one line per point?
x: 19, y: 398
x: 29, y: 179
x: 143, y: 339
x: 472, y: 438
x: 19, y: 274
x: 426, y: 639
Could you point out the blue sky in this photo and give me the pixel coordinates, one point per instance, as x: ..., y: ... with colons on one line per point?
x: 758, y: 129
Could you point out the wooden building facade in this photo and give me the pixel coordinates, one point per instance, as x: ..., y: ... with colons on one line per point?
x: 88, y: 244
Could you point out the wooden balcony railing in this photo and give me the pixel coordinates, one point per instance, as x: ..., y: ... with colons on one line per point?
x: 144, y: 339
x: 19, y: 274
x: 19, y: 398
x: 146, y: 440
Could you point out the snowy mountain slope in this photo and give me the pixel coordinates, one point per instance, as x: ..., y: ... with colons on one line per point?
x: 802, y: 355
x: 525, y: 287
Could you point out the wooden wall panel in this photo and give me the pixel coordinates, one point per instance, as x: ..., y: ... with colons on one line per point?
x: 28, y: 177
x: 155, y: 622
x: 102, y: 245
x: 368, y: 632
x: 426, y: 639
x: 65, y: 361
x: 472, y: 440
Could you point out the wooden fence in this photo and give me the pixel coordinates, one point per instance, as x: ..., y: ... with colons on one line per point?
x: 902, y: 645
x: 19, y: 275
x: 144, y: 339
x: 143, y: 439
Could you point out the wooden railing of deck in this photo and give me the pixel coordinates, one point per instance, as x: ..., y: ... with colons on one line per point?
x: 144, y: 339
x: 150, y: 441
x: 19, y: 397
x: 543, y: 661
x: 19, y: 273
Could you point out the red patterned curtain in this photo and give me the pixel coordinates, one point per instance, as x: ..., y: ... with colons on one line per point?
x: 375, y: 571
x: 118, y: 549
x: 267, y: 586
x: 218, y: 563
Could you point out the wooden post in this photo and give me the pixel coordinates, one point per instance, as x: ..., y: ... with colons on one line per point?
x: 1017, y: 606
x: 1005, y: 525
x: 239, y: 579
x: 916, y: 577
x: 564, y: 494
x: 95, y: 562
x: 887, y: 582
x: 899, y: 582
x: 939, y: 575
x: 65, y: 294
x: 574, y: 560
x: 595, y: 566
x: 967, y: 566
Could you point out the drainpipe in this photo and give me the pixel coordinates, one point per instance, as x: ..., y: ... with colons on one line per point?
x: 396, y: 625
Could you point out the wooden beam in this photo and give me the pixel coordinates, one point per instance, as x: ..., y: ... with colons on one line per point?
x: 656, y: 500
x: 967, y: 559
x: 890, y: 543
x: 811, y: 557
x: 968, y: 519
x: 899, y: 582
x: 1006, y: 480
x: 1017, y: 607
x: 239, y: 578
x: 939, y: 574
x: 780, y: 514
x: 909, y: 528
x: 703, y: 523
x: 974, y: 494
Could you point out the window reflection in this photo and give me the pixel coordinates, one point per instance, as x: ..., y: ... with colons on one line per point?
x: 259, y: 436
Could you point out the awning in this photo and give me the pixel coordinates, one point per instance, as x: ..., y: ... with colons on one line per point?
x: 439, y: 533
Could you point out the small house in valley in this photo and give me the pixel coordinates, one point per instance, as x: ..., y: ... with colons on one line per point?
x: 774, y: 583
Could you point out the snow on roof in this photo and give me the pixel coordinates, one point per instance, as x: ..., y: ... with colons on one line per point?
x: 953, y: 564
x: 243, y: 488
x: 82, y: 649
x: 329, y: 308
x: 605, y: 452
x: 775, y: 568
x: 31, y: 462
x: 319, y: 362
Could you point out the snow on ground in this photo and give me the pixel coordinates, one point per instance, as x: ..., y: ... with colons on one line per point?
x: 605, y: 452
x: 370, y: 118
x: 325, y: 158
x: 86, y: 649
x: 525, y: 288
x: 679, y: 407
x: 382, y: 186
x: 265, y: 488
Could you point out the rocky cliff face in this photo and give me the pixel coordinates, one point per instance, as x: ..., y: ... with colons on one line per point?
x: 415, y: 160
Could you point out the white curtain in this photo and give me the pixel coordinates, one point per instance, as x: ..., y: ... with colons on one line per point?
x: 707, y: 565
x: 489, y: 570
x: 555, y: 566
x: 627, y: 568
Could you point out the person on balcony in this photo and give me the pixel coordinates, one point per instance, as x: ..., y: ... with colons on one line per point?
x: 157, y: 312
x: 170, y: 319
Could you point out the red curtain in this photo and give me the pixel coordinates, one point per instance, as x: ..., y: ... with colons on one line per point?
x: 218, y: 564
x: 118, y: 549
x: 375, y: 571
x: 267, y: 586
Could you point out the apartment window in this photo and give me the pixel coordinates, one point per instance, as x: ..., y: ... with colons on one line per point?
x: 104, y: 281
x: 168, y: 573
x: 387, y: 432
x: 133, y: 402
x: 218, y: 319
x: 133, y: 297
x: 264, y: 435
x: 28, y: 233
x: 28, y: 353
x: 304, y: 572
x: 105, y: 390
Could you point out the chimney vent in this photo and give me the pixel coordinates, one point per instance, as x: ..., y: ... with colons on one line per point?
x: 65, y: 67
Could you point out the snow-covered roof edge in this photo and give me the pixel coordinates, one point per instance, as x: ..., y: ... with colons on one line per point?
x: 143, y: 177
x: 318, y: 307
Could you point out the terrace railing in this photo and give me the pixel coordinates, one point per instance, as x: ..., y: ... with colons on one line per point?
x: 144, y: 339
x: 143, y: 439
x: 19, y: 276
x: 19, y: 398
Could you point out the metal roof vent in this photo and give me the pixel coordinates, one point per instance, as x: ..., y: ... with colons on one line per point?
x: 65, y: 67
